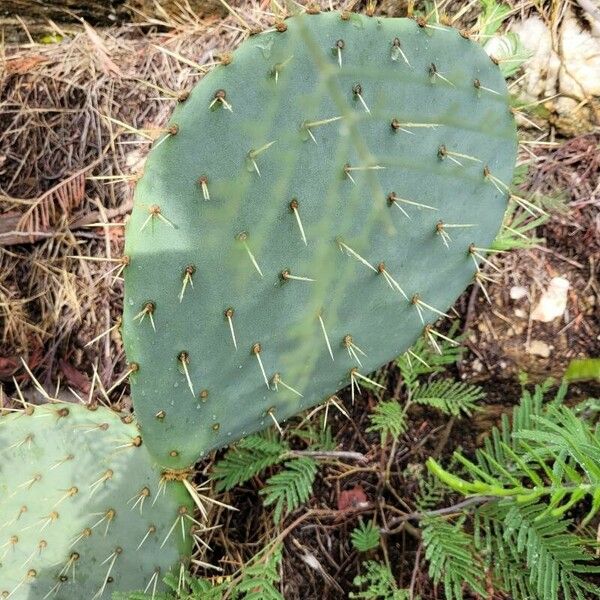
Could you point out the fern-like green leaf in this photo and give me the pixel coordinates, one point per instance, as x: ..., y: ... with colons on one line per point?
x: 317, y: 436
x: 552, y: 559
x: 378, y: 583
x: 289, y: 488
x: 452, y: 559
x: 547, y: 453
x: 423, y: 359
x: 510, y: 571
x: 388, y: 418
x: 249, y: 457
x: 260, y: 578
x: 573, y: 449
x: 365, y: 537
x: 543, y: 463
x: 207, y: 589
x: 453, y: 398
x: 188, y: 588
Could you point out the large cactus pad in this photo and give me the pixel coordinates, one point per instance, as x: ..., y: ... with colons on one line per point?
x: 83, y: 509
x: 317, y: 201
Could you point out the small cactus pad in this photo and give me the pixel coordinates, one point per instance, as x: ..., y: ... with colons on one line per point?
x: 83, y: 509
x: 316, y: 202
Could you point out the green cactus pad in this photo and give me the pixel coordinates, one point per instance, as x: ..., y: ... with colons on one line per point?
x: 83, y: 509
x: 370, y: 155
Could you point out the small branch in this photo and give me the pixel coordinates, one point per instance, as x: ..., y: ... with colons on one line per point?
x: 347, y: 455
x: 413, y: 579
x: 417, y: 516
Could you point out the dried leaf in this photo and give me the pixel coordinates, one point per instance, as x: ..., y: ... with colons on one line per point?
x: 353, y: 498
x: 55, y: 204
x: 20, y: 65
x: 75, y: 378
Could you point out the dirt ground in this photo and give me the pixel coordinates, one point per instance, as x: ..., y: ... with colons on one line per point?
x: 67, y: 162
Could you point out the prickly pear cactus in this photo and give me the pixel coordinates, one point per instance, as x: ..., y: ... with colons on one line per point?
x: 83, y: 510
x: 317, y: 202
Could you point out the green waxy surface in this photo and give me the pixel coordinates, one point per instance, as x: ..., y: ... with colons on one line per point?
x: 83, y: 512
x: 254, y: 149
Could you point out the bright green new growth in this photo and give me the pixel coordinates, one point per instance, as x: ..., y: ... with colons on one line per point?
x: 83, y: 509
x: 317, y: 202
x: 531, y: 491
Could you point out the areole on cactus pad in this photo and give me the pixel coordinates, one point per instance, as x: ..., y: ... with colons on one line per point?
x: 318, y: 201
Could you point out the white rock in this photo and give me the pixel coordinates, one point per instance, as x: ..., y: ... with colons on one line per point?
x: 517, y: 292
x: 477, y: 366
x: 571, y: 68
x: 580, y: 73
x: 553, y: 302
x: 543, y: 66
x: 539, y: 348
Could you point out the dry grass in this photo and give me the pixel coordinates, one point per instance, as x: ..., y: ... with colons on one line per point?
x: 66, y: 164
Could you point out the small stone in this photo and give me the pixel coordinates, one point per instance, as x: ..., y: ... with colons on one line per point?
x: 539, y: 348
x: 519, y: 312
x: 553, y: 302
x: 519, y: 329
x: 517, y: 292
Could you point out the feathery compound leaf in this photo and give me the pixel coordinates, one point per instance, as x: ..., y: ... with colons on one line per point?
x: 451, y: 557
x: 365, y: 537
x: 541, y: 465
x: 388, y: 418
x: 450, y: 397
x: 555, y: 558
x: 256, y: 581
x: 248, y: 458
x: 573, y: 449
x: 188, y: 588
x: 379, y: 582
x: 207, y: 589
x: 423, y: 359
x: 549, y: 454
x: 289, y: 488
x: 260, y: 579
x: 317, y: 436
x: 509, y: 569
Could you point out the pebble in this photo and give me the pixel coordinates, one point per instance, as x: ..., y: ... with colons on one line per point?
x: 539, y: 348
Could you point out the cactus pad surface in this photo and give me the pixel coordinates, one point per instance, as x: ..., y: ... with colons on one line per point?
x: 318, y: 201
x: 83, y: 511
